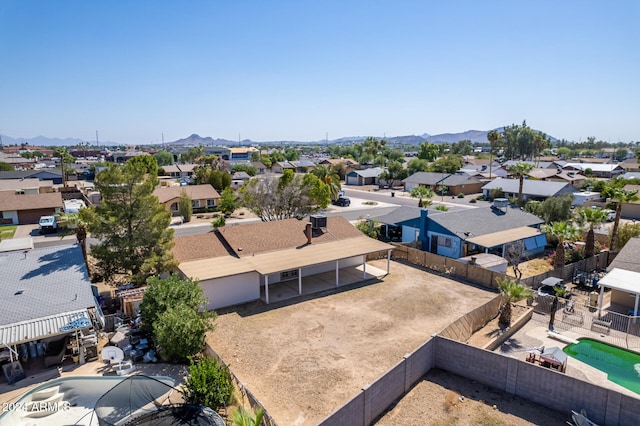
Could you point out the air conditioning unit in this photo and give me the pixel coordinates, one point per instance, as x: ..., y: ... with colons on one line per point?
x: 318, y: 221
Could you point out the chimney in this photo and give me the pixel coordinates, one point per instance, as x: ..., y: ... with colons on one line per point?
x: 308, y: 231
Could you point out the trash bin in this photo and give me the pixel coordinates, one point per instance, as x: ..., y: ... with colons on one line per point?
x: 593, y: 299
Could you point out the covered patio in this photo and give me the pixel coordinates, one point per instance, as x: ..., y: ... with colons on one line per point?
x: 625, y: 294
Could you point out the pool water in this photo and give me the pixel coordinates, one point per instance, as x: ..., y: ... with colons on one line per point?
x: 622, y: 366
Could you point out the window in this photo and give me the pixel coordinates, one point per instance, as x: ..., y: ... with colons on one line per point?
x: 174, y: 207
x: 211, y: 203
x: 289, y: 275
x: 195, y: 204
x: 445, y: 242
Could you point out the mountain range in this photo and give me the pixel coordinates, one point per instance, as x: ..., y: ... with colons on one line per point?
x: 479, y: 136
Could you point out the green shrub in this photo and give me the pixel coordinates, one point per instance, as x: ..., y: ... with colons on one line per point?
x: 481, y: 198
x: 208, y: 384
x: 218, y: 222
x: 461, y: 195
x: 473, y: 200
x: 442, y: 208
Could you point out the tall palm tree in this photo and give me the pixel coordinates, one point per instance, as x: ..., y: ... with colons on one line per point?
x: 512, y: 291
x: 329, y: 177
x: 592, y: 218
x: 563, y: 232
x: 493, y: 136
x: 521, y: 169
x: 621, y: 196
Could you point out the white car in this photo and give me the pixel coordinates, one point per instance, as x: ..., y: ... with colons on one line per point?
x: 47, y: 224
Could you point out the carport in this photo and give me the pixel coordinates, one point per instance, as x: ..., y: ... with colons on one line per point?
x: 622, y: 281
x: 534, y: 240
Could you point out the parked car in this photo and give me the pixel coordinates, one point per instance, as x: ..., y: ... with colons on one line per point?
x: 47, y: 224
x: 342, y: 202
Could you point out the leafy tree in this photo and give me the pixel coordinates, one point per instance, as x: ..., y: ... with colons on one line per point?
x: 5, y: 167
x: 447, y: 164
x: 148, y: 162
x: 192, y: 154
x: 518, y: 141
x: 626, y: 231
x: 209, y: 384
x: 394, y: 173
x: 247, y: 168
x: 330, y: 178
x: 130, y: 223
x: 422, y: 193
x: 285, y: 197
x: 555, y: 209
x: 164, y: 158
x: 228, y: 201
x: 276, y: 156
x: 396, y: 155
x: 218, y: 222
x: 621, y: 154
x: 512, y: 291
x: 591, y: 218
x: 174, y: 310
x: 442, y: 190
x: 179, y: 332
x: 219, y: 179
x: 562, y: 232
x: 621, y: 197
x: 416, y: 165
x: 185, y: 208
x: 65, y: 158
x: 292, y: 154
x: 266, y: 160
x: 428, y: 151
x: 540, y: 143
x: 563, y: 152
x: 521, y: 170
x: 463, y: 147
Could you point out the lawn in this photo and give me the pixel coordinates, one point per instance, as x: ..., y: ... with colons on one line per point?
x: 7, y: 231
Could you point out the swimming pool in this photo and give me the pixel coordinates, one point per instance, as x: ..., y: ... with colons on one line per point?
x: 622, y: 366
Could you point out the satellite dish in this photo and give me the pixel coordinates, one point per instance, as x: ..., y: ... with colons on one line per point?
x: 112, y: 354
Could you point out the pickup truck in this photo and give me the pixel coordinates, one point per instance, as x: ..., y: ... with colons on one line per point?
x: 47, y: 224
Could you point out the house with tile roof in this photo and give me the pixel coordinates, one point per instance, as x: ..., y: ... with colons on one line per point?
x: 480, y: 230
x: 202, y: 196
x: 22, y: 209
x: 455, y: 183
x: 275, y: 260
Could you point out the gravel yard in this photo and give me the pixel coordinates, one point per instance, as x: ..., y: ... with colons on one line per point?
x: 304, y: 359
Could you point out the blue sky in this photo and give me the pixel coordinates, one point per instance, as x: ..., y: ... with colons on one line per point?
x: 299, y: 70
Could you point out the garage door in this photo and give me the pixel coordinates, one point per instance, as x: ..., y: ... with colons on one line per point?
x: 33, y: 216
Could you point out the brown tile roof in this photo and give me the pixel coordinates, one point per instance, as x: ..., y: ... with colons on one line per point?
x: 203, y: 246
x: 264, y: 237
x: 195, y: 192
x: 10, y: 201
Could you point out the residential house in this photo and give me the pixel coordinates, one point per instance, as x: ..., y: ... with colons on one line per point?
x: 43, y: 290
x: 239, y: 264
x: 480, y: 230
x: 121, y: 157
x: 531, y: 189
x: 260, y: 168
x: 22, y: 209
x: 401, y: 224
x: 623, y: 278
x: 341, y: 165
x: 26, y: 186
x: 630, y: 165
x: 302, y: 166
x: 242, y: 153
x: 280, y: 166
x: 238, y: 179
x: 363, y: 177
x: 53, y: 175
x: 631, y: 210
x: 571, y: 177
x: 484, y: 172
x: 455, y: 183
x: 597, y: 170
x: 202, y: 197
x: 631, y: 175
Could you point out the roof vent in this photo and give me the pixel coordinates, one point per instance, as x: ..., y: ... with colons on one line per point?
x: 318, y: 221
x: 18, y: 292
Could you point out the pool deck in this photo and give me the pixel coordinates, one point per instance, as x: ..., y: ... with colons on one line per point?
x: 535, y: 334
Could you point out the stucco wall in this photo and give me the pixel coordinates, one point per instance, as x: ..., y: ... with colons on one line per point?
x: 230, y: 291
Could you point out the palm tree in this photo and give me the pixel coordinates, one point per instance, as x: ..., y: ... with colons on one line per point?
x: 493, y: 136
x: 621, y: 196
x: 512, y: 291
x: 329, y: 177
x: 422, y: 192
x: 563, y: 232
x: 591, y: 218
x: 521, y: 169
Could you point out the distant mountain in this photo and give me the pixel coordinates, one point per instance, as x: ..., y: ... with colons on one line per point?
x: 196, y: 140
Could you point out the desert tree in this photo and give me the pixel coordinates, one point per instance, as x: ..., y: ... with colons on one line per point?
x: 511, y: 291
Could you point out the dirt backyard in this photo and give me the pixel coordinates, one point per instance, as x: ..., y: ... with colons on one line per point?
x: 305, y: 359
